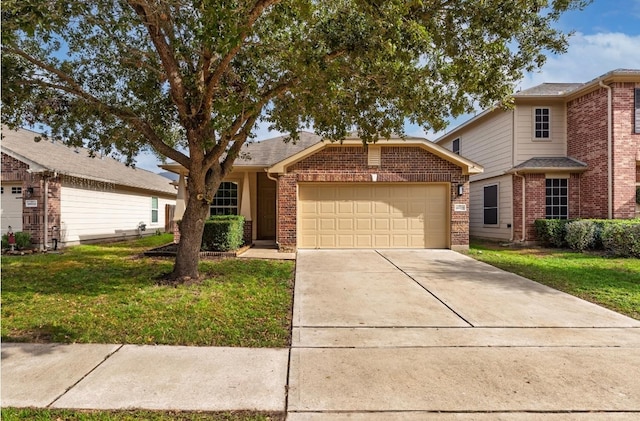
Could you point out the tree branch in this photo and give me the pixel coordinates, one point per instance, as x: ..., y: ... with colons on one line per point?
x: 166, y: 56
x: 238, y: 141
x: 213, y: 81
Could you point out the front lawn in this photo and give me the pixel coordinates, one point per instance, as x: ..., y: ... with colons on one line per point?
x: 611, y: 282
x: 108, y: 294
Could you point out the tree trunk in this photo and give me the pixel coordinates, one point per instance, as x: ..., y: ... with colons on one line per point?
x: 191, y: 228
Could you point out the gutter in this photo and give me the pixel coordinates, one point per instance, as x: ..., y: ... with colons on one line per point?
x: 609, y: 150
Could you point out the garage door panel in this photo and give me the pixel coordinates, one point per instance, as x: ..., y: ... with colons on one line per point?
x: 374, y: 215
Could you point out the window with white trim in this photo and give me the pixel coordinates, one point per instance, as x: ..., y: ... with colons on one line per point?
x: 490, y: 204
x: 456, y: 146
x: 542, y: 123
x: 225, y: 202
x: 154, y: 209
x: 557, y: 198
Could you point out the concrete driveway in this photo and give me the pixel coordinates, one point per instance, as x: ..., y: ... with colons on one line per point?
x: 433, y: 334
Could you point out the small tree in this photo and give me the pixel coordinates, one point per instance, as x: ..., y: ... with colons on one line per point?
x: 189, y: 79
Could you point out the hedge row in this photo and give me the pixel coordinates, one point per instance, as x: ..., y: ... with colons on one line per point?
x: 223, y: 233
x: 620, y: 237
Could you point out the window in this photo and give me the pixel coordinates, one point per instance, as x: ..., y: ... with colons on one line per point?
x: 154, y: 209
x: 1, y: 190
x: 542, y: 128
x: 225, y: 202
x: 16, y: 190
x: 491, y: 205
x: 637, y: 107
x: 557, y: 198
x: 456, y: 146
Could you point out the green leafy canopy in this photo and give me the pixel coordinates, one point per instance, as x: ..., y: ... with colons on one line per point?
x: 198, y: 74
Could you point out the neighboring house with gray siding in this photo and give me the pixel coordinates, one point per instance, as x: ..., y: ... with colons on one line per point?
x: 84, y: 199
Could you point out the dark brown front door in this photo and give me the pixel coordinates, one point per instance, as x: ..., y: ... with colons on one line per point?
x: 266, y: 208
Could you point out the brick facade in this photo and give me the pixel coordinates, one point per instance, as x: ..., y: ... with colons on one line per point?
x: 587, y: 141
x: 535, y: 202
x: 399, y: 164
x: 33, y: 221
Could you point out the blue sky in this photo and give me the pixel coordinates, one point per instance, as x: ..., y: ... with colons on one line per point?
x: 606, y: 37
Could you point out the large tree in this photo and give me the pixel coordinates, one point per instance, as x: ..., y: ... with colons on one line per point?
x: 190, y: 79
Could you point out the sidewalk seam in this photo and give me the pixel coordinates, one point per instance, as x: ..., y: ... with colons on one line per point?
x: 84, y: 376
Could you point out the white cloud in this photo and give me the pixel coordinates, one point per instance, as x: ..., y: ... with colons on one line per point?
x: 588, y: 57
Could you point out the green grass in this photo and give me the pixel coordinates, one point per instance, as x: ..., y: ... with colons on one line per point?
x: 108, y: 294
x: 611, y: 282
x: 10, y: 414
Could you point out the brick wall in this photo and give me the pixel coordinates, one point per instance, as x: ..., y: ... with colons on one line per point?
x: 535, y: 202
x: 349, y: 164
x: 587, y: 141
x: 33, y: 217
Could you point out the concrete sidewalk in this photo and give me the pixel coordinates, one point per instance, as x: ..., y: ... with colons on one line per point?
x: 148, y: 377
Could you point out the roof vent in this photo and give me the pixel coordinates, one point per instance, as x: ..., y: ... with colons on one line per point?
x: 373, y: 156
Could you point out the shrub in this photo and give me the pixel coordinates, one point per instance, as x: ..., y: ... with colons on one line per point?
x: 622, y: 238
x: 223, y: 233
x: 581, y: 234
x: 552, y: 231
x: 23, y: 240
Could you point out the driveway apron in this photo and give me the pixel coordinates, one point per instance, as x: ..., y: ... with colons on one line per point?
x: 434, y: 334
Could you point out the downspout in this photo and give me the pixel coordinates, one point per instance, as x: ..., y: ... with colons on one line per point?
x: 524, y: 201
x: 609, y: 151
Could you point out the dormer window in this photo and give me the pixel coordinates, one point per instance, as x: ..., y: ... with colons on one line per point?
x: 542, y: 124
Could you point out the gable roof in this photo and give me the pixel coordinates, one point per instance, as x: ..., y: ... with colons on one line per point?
x: 549, y: 89
x: 468, y: 167
x: 76, y: 162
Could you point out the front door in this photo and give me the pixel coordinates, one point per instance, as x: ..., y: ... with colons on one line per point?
x: 266, y: 208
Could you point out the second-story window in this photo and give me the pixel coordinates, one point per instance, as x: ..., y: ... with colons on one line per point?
x: 542, y: 123
x: 456, y: 146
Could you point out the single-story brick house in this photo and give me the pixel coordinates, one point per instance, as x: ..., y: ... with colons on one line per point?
x: 397, y: 193
x: 54, y: 192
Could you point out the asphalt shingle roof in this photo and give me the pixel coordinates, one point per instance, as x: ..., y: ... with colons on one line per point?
x: 554, y: 162
x: 549, y: 89
x: 76, y: 162
x: 267, y: 152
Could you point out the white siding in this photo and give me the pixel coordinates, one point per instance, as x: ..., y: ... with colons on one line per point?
x: 526, y: 146
x: 92, y: 214
x: 505, y: 209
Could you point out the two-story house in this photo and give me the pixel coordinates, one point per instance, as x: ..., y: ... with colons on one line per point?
x: 564, y: 150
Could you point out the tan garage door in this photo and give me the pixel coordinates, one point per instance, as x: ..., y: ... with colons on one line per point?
x: 373, y: 215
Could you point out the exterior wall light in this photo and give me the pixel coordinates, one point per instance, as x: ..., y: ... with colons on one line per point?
x: 460, y: 189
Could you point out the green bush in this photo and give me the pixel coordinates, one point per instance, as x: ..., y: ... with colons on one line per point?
x: 622, y: 237
x: 552, y: 231
x: 223, y: 233
x: 581, y: 234
x: 23, y: 240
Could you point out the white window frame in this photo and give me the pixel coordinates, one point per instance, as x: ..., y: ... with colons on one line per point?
x: 496, y: 207
x: 155, y: 214
x: 636, y: 98
x: 545, y: 126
